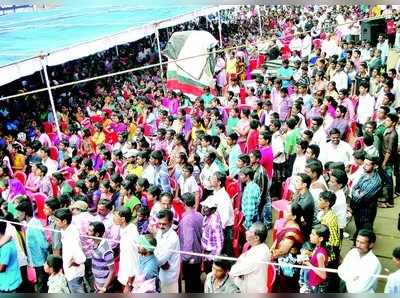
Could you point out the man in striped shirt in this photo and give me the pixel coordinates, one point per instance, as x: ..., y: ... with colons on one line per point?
x: 363, y: 201
x: 102, y: 258
x: 251, y: 197
x: 212, y: 239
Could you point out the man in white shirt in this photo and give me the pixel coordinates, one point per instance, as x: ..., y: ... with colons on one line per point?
x: 165, y: 252
x: 393, y: 282
x: 306, y: 45
x: 366, y: 104
x: 277, y: 142
x: 319, y: 137
x: 224, y: 208
x: 129, y: 256
x: 366, y: 52
x: 329, y: 46
x: 336, y: 150
x: 340, y: 77
x: 299, y: 163
x: 279, y: 153
x: 72, y: 253
x: 383, y: 45
x: 396, y: 88
x: 105, y: 215
x: 337, y: 183
x: 187, y: 184
x: 210, y: 167
x: 250, y: 269
x: 360, y: 266
x: 52, y: 165
x: 295, y: 44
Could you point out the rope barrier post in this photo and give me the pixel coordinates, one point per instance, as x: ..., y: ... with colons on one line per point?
x: 219, y: 26
x: 53, y: 107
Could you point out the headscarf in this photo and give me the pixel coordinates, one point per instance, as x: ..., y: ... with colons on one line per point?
x: 143, y: 242
x: 16, y: 188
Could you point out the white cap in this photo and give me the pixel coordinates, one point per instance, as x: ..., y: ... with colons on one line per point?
x: 131, y: 153
x: 210, y: 202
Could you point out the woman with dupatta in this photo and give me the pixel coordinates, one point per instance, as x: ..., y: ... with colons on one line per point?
x: 284, y: 249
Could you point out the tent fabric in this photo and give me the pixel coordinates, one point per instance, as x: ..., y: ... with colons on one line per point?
x: 89, y: 48
x: 189, y: 16
x: 195, y: 73
x: 18, y: 69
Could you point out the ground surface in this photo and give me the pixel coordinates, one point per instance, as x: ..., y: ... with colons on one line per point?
x: 388, y: 237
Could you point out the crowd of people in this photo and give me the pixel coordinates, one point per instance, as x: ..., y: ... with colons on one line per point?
x: 150, y: 190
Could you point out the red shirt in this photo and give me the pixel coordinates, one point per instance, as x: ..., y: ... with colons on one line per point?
x: 252, y: 140
x: 391, y: 27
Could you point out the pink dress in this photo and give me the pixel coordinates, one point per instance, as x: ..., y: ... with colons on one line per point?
x: 313, y: 279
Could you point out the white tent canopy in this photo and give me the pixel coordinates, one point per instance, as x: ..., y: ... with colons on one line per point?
x: 27, y: 67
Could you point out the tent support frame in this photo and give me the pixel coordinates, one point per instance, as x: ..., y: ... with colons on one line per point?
x: 53, y: 107
x: 259, y: 20
x: 160, y: 57
x: 219, y: 27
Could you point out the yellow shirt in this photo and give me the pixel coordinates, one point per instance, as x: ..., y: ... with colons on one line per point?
x: 132, y: 170
x: 231, y: 66
x: 131, y: 131
x: 19, y: 161
x: 98, y: 138
x: 194, y: 132
x: 376, y: 11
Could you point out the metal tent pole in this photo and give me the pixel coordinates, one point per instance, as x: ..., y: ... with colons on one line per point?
x: 160, y: 58
x: 259, y: 20
x: 53, y: 107
x: 220, y: 27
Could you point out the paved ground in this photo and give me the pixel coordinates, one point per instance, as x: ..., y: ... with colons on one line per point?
x: 388, y: 237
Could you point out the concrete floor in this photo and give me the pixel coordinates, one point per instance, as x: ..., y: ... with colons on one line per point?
x: 388, y: 237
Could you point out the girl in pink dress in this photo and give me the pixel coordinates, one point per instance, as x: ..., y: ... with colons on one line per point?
x: 319, y: 259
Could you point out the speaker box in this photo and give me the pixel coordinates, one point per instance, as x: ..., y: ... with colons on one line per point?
x: 370, y: 30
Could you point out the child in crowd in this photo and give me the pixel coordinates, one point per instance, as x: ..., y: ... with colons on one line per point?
x: 143, y: 220
x: 57, y: 282
x: 305, y: 254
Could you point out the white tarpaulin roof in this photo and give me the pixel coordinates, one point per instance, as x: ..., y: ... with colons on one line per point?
x: 16, y: 70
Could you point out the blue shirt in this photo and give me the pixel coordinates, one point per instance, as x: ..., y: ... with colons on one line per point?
x: 233, y: 158
x: 36, y: 243
x: 251, y: 198
x: 148, y: 265
x: 161, y: 178
x: 393, y: 283
x: 285, y: 73
x: 207, y: 99
x: 11, y: 278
